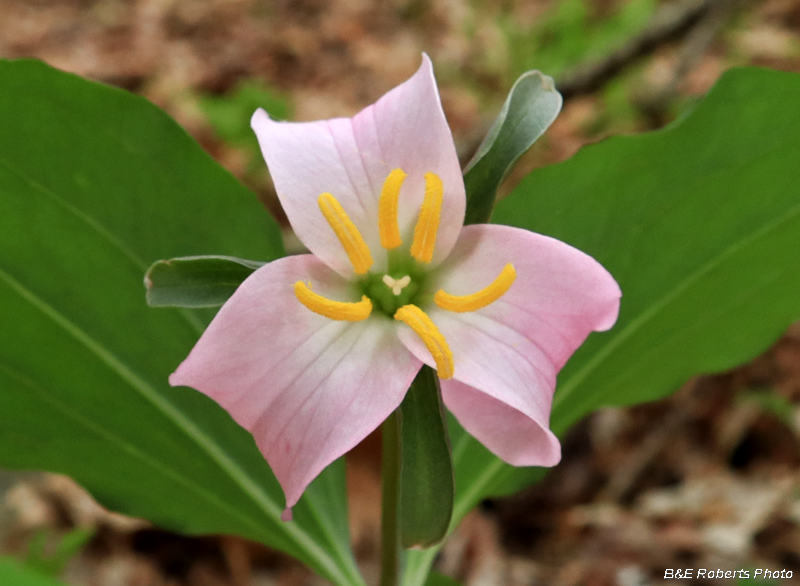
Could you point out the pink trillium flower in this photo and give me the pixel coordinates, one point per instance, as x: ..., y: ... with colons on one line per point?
x: 313, y: 352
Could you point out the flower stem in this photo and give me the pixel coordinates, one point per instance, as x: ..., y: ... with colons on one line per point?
x: 390, y: 481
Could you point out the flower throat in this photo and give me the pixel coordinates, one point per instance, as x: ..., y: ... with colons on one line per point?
x: 400, y: 291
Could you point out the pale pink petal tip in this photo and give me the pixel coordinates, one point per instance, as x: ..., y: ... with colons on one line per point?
x: 294, y: 378
x: 350, y: 158
x: 258, y: 118
x: 174, y: 379
x: 286, y: 515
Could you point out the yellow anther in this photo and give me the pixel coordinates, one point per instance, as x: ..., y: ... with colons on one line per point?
x: 338, y: 310
x: 387, y: 210
x: 433, y: 339
x: 480, y: 299
x: 428, y: 222
x: 351, y: 239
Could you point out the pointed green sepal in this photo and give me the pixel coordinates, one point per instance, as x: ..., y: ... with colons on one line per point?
x: 196, y: 281
x: 427, y: 486
x: 530, y: 108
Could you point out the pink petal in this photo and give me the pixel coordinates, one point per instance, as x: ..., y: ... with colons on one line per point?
x: 510, y: 351
x: 351, y: 157
x: 518, y: 438
x: 307, y: 387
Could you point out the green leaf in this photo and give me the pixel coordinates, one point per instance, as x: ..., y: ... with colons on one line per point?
x: 196, y: 281
x: 530, y: 108
x: 700, y: 225
x: 437, y: 579
x: 12, y: 573
x: 426, y: 493
x: 53, y: 563
x: 95, y: 185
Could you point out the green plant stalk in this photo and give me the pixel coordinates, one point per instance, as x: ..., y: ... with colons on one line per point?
x: 391, y: 461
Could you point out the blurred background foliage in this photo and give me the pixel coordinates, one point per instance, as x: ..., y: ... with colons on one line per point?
x: 571, y: 32
x: 639, y: 488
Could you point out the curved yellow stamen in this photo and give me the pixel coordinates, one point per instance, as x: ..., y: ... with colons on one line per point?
x: 351, y: 239
x: 428, y: 222
x: 480, y: 299
x: 338, y: 310
x: 387, y: 210
x: 433, y: 339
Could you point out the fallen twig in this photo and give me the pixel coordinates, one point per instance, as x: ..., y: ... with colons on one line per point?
x: 670, y: 23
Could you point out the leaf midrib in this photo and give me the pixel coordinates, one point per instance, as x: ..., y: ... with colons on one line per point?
x: 475, y: 488
x: 638, y: 322
x: 98, y: 228
x: 122, y: 443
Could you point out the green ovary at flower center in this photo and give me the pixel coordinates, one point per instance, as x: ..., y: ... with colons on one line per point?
x: 383, y: 296
x: 402, y: 284
x: 403, y: 281
x: 400, y: 291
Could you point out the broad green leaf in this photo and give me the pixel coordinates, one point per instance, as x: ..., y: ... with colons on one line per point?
x: 700, y: 225
x: 13, y: 573
x: 95, y: 185
x: 530, y: 108
x: 426, y: 487
x: 196, y: 281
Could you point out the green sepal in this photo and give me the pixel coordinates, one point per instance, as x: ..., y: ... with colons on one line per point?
x: 530, y: 108
x: 427, y: 486
x: 196, y: 281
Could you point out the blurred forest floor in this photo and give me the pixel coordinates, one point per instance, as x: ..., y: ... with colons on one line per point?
x: 708, y: 478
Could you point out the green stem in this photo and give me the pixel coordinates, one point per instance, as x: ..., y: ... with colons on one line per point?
x: 390, y: 514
